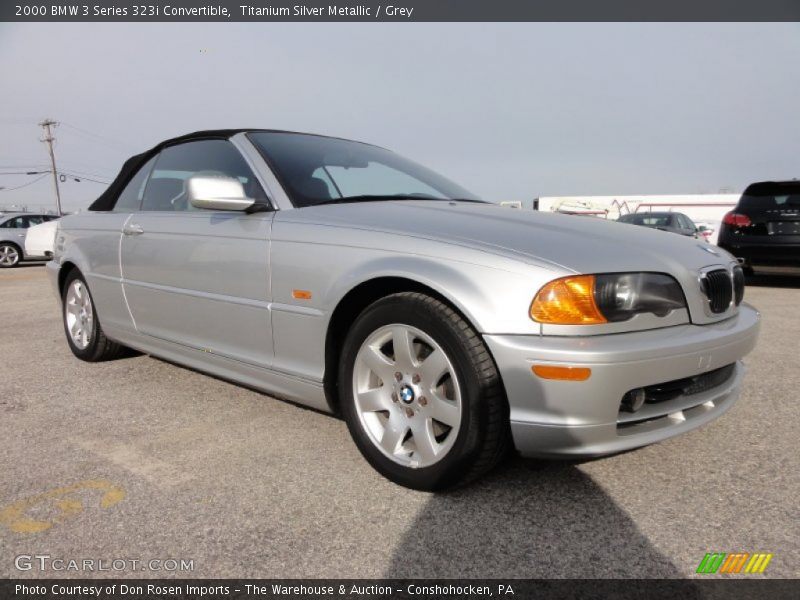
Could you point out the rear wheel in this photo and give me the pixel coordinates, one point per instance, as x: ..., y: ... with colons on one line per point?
x: 10, y: 255
x: 421, y: 394
x: 84, y: 333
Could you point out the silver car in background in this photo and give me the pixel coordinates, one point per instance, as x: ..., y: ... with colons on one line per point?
x: 445, y: 330
x: 13, y: 233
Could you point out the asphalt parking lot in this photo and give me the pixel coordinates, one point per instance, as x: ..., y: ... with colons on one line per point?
x: 141, y: 459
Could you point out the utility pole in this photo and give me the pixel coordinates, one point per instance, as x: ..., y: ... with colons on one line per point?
x: 49, y: 139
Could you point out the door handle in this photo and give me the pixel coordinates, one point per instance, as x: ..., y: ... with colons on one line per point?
x: 132, y: 229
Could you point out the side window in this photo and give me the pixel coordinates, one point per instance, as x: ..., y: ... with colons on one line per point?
x: 166, y: 187
x: 131, y: 197
x: 16, y: 223
x: 34, y: 220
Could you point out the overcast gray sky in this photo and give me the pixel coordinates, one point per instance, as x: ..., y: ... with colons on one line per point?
x: 511, y: 111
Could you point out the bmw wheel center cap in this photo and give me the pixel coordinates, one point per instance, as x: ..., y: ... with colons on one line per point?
x: 406, y: 394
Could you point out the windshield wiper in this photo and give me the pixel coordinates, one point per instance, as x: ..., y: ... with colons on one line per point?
x: 387, y: 197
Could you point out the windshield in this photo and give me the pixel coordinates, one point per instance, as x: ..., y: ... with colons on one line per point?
x: 648, y: 220
x: 317, y: 170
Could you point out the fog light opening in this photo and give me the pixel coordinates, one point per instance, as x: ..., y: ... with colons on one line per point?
x: 633, y: 400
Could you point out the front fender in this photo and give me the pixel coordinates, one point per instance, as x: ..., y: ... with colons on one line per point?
x: 448, y: 281
x: 494, y: 297
x: 313, y: 267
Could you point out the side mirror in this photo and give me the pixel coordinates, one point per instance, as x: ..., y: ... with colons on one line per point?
x: 217, y: 193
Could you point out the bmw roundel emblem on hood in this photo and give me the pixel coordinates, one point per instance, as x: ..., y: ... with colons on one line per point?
x: 708, y: 248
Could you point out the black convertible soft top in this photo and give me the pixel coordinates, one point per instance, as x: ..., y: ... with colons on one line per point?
x: 108, y: 198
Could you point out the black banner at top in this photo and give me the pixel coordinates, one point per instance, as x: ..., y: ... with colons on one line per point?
x: 404, y: 11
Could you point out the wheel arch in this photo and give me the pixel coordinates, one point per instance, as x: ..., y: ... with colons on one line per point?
x: 66, y: 268
x: 352, y: 304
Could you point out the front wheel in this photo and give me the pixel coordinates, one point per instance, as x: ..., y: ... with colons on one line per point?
x: 421, y: 394
x: 10, y: 255
x: 85, y: 336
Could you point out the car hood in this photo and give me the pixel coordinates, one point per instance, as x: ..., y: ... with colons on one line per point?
x: 573, y: 243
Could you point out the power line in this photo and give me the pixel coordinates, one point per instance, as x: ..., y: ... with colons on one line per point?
x: 24, y: 172
x: 5, y: 189
x: 83, y: 178
x: 96, y: 136
x: 105, y: 172
x: 81, y: 173
x: 30, y: 165
x: 62, y: 173
x: 15, y: 120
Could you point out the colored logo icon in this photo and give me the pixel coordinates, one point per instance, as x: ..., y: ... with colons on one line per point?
x: 735, y: 562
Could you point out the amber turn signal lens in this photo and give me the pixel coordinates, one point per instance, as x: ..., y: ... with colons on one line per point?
x: 301, y: 294
x: 564, y: 373
x: 567, y: 301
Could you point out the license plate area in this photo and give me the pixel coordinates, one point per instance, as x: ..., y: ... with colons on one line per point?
x: 783, y: 228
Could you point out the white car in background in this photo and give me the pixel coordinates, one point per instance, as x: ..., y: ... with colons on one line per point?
x: 41, y: 239
x: 14, y: 229
x: 709, y: 230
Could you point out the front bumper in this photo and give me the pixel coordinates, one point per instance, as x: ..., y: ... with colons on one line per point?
x: 583, y: 418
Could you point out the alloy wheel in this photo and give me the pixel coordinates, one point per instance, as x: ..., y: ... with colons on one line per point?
x: 79, y: 314
x: 9, y: 256
x: 407, y: 395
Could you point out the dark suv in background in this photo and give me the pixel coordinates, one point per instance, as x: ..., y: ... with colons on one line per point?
x: 764, y: 228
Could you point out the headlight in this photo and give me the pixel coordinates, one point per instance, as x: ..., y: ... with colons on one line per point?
x: 596, y: 299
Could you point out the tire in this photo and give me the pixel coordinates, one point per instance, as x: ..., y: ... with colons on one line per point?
x: 10, y: 255
x: 460, y: 385
x: 82, y: 327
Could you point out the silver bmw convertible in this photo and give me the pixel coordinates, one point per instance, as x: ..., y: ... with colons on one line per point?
x: 445, y: 330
